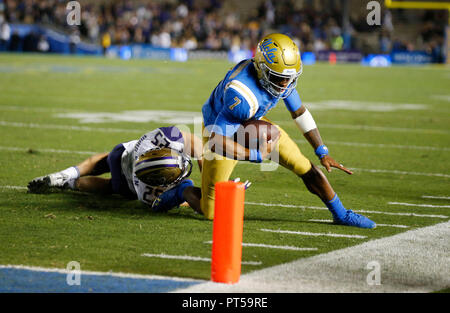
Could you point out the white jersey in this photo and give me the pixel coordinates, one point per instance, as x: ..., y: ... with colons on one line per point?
x: 161, y: 137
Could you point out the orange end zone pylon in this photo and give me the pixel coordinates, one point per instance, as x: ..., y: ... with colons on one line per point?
x: 228, y: 227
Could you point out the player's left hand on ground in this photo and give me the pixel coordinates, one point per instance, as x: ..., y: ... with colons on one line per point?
x: 328, y: 162
x: 246, y: 183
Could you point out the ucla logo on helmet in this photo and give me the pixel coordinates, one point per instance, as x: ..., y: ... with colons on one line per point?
x: 268, y: 52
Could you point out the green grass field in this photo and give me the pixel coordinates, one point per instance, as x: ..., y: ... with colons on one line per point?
x: 399, y: 153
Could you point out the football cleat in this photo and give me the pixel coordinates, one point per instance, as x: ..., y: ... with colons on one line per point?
x: 353, y: 219
x: 246, y: 183
x: 171, y: 198
x: 48, y: 183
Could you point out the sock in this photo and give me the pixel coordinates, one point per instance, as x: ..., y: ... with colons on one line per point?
x: 336, y: 207
x: 71, y: 183
x: 181, y: 187
x: 73, y: 172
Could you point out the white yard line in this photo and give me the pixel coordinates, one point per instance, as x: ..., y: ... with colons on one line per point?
x: 357, y: 211
x: 261, y: 245
x: 113, y: 274
x: 70, y: 127
x: 373, y: 128
x: 404, y: 214
x: 436, y: 197
x: 355, y: 144
x: 302, y: 233
x: 302, y: 207
x: 14, y: 187
x: 34, y: 109
x: 47, y: 150
x: 374, y: 145
x: 382, y: 225
x: 189, y: 258
x: 334, y: 126
x: 44, y: 150
x: 413, y: 261
x: 399, y: 172
x: 420, y: 205
x: 369, y: 170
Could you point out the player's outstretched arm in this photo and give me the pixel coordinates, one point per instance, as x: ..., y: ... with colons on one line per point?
x: 306, y: 124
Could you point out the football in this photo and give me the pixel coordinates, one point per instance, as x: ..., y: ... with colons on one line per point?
x: 250, y: 132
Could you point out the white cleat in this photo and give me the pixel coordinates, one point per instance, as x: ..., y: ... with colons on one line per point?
x: 45, y: 184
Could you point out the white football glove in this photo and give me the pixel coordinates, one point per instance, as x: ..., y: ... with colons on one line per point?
x: 246, y: 184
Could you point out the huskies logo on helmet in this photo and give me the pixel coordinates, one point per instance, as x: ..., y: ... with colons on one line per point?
x: 162, y: 167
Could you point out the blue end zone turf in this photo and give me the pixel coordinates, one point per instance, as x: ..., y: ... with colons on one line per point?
x: 33, y: 281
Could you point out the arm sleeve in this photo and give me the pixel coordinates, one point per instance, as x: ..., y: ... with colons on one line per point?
x: 235, y: 111
x: 293, y: 102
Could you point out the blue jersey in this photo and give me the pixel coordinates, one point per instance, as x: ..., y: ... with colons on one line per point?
x: 240, y: 97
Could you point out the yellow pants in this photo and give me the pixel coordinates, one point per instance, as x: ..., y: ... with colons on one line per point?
x: 218, y: 168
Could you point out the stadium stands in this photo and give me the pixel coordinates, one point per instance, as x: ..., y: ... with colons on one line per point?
x: 315, y: 25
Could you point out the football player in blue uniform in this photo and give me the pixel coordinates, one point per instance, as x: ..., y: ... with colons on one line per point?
x: 153, y: 169
x: 249, y: 91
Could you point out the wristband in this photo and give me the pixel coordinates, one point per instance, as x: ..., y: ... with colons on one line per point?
x: 305, y: 122
x: 255, y: 156
x: 321, y: 151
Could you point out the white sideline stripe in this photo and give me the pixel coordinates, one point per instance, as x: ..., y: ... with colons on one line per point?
x: 261, y: 245
x: 113, y: 274
x: 47, y: 150
x: 420, y: 205
x: 436, y: 197
x: 189, y: 258
x: 383, y: 225
x: 412, y: 261
x: 357, y: 211
x: 379, y: 145
x: 70, y: 127
x: 311, y: 234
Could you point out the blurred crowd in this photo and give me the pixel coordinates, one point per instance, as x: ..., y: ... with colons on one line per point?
x: 185, y: 23
x: 211, y: 24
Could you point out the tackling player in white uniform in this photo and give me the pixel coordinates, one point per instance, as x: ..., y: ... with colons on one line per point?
x: 153, y: 169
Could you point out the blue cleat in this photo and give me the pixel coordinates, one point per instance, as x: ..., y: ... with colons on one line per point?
x: 171, y: 198
x: 353, y: 219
